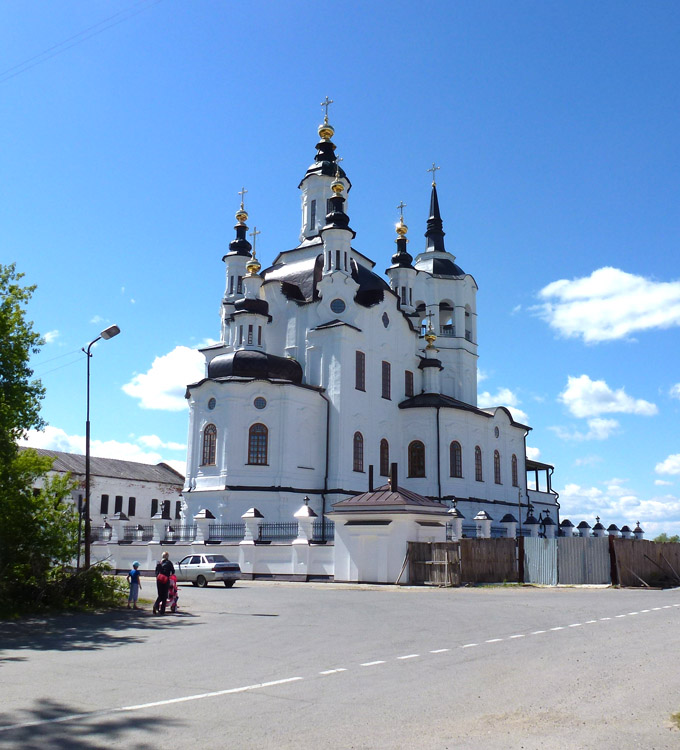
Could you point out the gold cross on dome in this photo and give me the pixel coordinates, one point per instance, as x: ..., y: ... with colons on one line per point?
x: 326, y: 103
x: 401, y: 208
x: 242, y: 192
x: 433, y: 169
x: 254, y: 234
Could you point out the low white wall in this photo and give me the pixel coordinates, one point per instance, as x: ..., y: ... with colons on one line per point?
x: 291, y: 561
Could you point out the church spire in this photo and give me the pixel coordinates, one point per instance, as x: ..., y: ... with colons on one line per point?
x: 402, y: 258
x: 240, y: 245
x: 336, y: 218
x: 325, y: 161
x: 435, y: 230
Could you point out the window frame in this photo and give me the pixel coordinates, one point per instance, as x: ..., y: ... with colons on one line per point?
x: 384, y: 463
x: 515, y: 475
x: 479, y: 469
x: 358, y: 452
x: 456, y: 460
x: 416, y: 459
x: 409, y: 387
x: 386, y: 380
x: 497, y: 467
x: 360, y: 371
x: 257, y: 438
x: 209, y: 445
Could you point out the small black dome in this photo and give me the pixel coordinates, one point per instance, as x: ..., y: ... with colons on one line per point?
x: 253, y: 305
x: 247, y: 363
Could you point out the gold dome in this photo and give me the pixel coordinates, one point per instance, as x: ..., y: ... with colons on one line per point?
x: 326, y: 131
x: 253, y: 266
x: 430, y: 337
x: 336, y: 186
x: 401, y: 228
x: 241, y: 215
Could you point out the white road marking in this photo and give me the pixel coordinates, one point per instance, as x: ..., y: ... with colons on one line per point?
x: 576, y: 625
x: 619, y: 615
x: 155, y: 704
x: 605, y: 618
x: 494, y: 640
x: 589, y: 622
x: 469, y: 645
x: 523, y: 635
x: 333, y: 671
x: 644, y: 610
x: 538, y: 632
x: 633, y: 613
x: 656, y: 609
x: 409, y: 656
x: 559, y: 627
x: 666, y: 606
x: 440, y: 650
x: 372, y: 663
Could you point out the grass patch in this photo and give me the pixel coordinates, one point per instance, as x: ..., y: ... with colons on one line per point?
x: 675, y: 719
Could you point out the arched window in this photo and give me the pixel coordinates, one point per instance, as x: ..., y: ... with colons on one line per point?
x: 515, y: 482
x: 416, y: 459
x: 358, y: 452
x: 209, y: 445
x: 384, y: 458
x: 497, y: 467
x: 478, y: 464
x: 258, y: 437
x: 456, y: 459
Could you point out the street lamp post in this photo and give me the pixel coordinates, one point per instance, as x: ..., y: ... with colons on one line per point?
x: 106, y: 334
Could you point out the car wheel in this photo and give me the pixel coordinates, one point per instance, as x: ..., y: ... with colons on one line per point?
x: 193, y: 583
x: 200, y: 581
x: 229, y: 584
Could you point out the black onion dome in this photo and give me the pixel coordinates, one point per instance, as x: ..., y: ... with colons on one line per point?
x: 247, y: 304
x: 240, y: 245
x: 325, y: 162
x: 253, y: 364
x: 402, y: 258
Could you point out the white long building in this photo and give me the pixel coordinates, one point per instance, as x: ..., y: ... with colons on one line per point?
x: 324, y: 368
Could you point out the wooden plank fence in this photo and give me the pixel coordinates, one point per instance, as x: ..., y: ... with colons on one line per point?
x: 646, y: 563
x: 434, y: 564
x: 488, y: 560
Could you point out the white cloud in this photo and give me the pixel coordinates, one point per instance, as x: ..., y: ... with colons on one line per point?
x: 670, y: 465
x: 533, y: 453
x: 54, y: 438
x: 675, y: 391
x: 598, y: 429
x: 153, y: 441
x: 97, y: 319
x: 588, y: 398
x: 609, y: 304
x: 656, y: 514
x: 503, y: 397
x: 51, y: 336
x: 663, y: 483
x: 164, y: 384
x: 591, y: 460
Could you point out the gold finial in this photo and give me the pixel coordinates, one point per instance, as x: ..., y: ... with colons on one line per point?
x: 401, y: 227
x: 433, y: 169
x: 253, y: 266
x: 241, y: 214
x: 430, y: 335
x: 326, y: 130
x: 336, y: 186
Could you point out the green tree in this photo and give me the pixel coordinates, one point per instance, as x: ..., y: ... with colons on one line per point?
x: 665, y: 538
x: 38, y: 528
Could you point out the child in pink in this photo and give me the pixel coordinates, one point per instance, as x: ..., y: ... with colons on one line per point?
x: 173, y: 594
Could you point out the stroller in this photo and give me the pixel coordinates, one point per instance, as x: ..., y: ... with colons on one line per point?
x: 173, y: 594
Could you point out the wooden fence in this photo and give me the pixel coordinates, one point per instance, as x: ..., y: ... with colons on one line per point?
x: 434, y: 564
x: 646, y: 563
x: 488, y: 560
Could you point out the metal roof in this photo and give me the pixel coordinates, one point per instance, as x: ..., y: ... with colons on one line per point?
x: 384, y: 496
x: 112, y: 467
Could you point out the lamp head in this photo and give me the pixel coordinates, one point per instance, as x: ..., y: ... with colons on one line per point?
x: 110, y: 332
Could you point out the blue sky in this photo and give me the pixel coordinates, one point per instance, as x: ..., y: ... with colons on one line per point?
x: 128, y: 128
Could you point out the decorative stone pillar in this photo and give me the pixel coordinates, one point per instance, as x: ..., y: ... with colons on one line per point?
x: 584, y: 529
x: 613, y: 530
x: 549, y: 526
x: 203, y: 519
x: 598, y: 529
x: 626, y: 532
x: 159, y: 523
x: 510, y: 524
x: 566, y: 528
x: 638, y: 532
x: 117, y: 521
x: 483, y: 521
x: 531, y: 522
x: 305, y: 518
x: 455, y: 518
x: 252, y: 519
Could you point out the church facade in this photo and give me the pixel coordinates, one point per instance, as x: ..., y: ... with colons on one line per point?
x: 325, y: 368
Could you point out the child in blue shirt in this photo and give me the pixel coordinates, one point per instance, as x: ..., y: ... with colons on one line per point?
x: 133, y: 578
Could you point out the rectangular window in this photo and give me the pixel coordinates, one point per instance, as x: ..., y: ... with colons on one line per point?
x: 104, y: 505
x: 312, y: 216
x: 403, y: 295
x: 410, y: 297
x: 231, y: 285
x: 165, y: 509
x: 386, y: 380
x: 337, y: 260
x: 154, y: 507
x: 239, y: 284
x: 259, y: 335
x: 119, y: 504
x: 360, y: 372
x: 178, y: 509
x: 250, y: 334
x: 132, y: 506
x: 408, y: 383
x: 240, y: 335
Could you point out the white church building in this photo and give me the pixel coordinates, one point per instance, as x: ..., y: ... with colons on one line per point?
x: 325, y: 368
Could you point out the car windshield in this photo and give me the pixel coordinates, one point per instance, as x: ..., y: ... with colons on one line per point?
x: 215, y: 558
x: 185, y: 560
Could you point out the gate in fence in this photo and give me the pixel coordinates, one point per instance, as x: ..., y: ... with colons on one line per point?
x: 434, y: 563
x: 540, y: 560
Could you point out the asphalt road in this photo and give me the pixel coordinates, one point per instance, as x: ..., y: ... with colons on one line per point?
x: 274, y: 665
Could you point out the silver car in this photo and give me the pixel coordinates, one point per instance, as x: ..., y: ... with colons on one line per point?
x: 199, y: 570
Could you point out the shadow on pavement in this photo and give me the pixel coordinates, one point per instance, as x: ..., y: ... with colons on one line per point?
x: 84, y: 631
x: 80, y: 733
